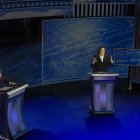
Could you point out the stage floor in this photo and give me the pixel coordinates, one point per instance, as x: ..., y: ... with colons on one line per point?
x: 65, y: 117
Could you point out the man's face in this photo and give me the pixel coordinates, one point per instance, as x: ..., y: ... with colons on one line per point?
x: 102, y: 51
x: 0, y: 75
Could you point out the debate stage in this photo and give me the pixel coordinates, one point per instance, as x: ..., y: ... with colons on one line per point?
x: 50, y: 46
x: 60, y: 111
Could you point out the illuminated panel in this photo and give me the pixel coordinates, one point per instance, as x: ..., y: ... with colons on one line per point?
x: 15, y: 120
x: 69, y: 44
x: 103, y: 94
x: 127, y: 56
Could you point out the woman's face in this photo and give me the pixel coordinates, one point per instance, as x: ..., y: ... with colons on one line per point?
x: 102, y: 51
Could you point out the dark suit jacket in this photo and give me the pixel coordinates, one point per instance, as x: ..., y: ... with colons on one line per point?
x: 100, y: 66
x: 3, y: 82
x: 6, y: 81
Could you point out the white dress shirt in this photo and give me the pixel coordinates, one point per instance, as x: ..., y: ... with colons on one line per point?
x: 102, y: 58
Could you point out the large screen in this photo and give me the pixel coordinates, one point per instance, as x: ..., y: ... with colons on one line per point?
x: 127, y: 56
x: 69, y: 44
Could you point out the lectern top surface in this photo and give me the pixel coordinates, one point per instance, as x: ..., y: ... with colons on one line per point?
x: 5, y: 89
x: 104, y: 74
x: 16, y: 91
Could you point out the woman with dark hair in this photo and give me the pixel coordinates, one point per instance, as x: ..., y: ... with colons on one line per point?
x: 101, y: 61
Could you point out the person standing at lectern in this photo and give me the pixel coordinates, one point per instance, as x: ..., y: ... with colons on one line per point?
x: 101, y: 61
x: 4, y: 81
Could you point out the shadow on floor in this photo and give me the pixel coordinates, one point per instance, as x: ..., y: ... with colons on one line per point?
x: 38, y: 134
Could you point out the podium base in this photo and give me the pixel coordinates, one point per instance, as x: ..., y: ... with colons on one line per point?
x: 102, y: 112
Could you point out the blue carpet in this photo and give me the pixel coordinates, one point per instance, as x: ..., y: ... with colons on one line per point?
x: 67, y: 118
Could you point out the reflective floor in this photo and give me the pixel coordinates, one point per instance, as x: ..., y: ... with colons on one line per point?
x: 66, y: 117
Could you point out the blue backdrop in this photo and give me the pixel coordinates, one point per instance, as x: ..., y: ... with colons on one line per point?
x: 23, y: 63
x: 69, y: 44
x: 127, y: 56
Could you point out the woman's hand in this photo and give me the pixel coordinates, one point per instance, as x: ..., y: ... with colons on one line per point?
x: 94, y: 61
x: 111, y: 60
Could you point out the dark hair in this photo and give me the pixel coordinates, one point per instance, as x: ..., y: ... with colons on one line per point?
x: 99, y: 49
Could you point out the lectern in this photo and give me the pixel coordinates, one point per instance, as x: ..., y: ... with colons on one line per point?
x: 11, y: 119
x: 102, y: 92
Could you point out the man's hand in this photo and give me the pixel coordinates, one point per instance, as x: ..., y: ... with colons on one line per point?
x: 12, y: 84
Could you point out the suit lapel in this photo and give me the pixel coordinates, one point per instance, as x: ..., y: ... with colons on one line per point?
x: 99, y: 59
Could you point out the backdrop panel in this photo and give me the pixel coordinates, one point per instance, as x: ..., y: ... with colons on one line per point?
x: 69, y: 44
